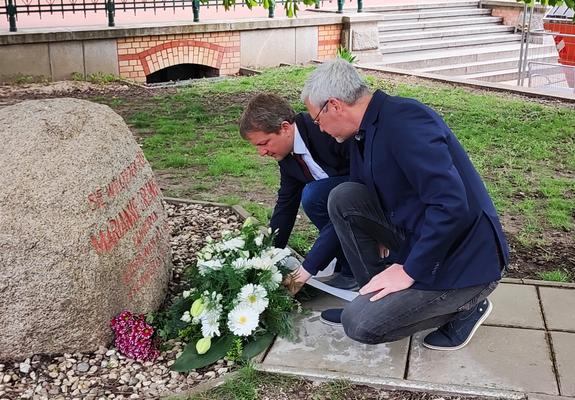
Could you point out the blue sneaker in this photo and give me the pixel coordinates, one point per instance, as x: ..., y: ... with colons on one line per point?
x: 341, y: 281
x: 331, y: 316
x: 458, y: 332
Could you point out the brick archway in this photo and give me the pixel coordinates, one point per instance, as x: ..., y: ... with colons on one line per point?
x: 139, y: 57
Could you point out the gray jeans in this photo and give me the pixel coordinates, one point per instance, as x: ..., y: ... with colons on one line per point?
x: 361, y: 226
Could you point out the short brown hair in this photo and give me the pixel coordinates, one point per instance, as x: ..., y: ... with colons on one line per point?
x: 265, y: 112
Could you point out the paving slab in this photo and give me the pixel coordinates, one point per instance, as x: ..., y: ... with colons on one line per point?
x: 497, y: 357
x: 323, y: 301
x: 558, y: 305
x: 322, y: 347
x: 516, y: 306
x: 539, y: 396
x: 564, y: 347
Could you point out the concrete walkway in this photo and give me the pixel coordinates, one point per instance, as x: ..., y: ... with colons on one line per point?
x: 526, y: 349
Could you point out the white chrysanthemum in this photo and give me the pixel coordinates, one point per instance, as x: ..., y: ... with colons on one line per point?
x: 186, y: 317
x: 233, y: 244
x: 210, y: 323
x: 277, y: 277
x: 255, y: 296
x: 279, y: 254
x: 186, y: 293
x: 262, y: 263
x: 240, y: 264
x: 259, y: 240
x: 243, y: 320
x: 207, y: 265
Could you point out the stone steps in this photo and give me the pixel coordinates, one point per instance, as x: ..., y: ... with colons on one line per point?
x: 424, y: 6
x: 440, y: 33
x: 397, y: 26
x: 484, y: 66
x: 494, y: 76
x: 436, y: 58
x: 432, y: 14
x: 474, y: 40
x: 455, y: 39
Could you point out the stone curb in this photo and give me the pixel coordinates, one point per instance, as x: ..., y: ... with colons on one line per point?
x: 536, y: 282
x: 394, y: 383
x: 471, y: 83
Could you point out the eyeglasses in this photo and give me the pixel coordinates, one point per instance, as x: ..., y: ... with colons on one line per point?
x: 316, y: 119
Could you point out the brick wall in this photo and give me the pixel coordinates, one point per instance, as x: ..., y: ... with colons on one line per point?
x: 510, y: 15
x: 141, y: 56
x: 329, y: 39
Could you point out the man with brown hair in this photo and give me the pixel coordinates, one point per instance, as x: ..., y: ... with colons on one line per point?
x: 311, y: 165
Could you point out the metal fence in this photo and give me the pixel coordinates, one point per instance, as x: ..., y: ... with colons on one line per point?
x: 544, y: 69
x: 12, y: 8
x: 547, y: 59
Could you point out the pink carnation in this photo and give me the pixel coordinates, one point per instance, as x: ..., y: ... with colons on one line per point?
x: 134, y: 336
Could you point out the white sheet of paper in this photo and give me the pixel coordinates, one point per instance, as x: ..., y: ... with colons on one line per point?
x: 347, y: 295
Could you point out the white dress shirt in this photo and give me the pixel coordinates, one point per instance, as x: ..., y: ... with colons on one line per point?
x: 299, y: 147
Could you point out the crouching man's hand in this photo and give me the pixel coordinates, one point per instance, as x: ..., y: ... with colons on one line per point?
x: 295, y: 281
x: 392, y: 279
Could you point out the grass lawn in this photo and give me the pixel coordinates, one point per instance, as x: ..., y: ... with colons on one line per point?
x: 524, y: 149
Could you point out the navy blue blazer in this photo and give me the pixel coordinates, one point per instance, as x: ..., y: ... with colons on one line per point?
x: 427, y: 185
x: 331, y: 156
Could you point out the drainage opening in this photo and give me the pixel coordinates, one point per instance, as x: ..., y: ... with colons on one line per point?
x: 182, y: 72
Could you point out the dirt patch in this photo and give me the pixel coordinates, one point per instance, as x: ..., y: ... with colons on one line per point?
x: 133, y: 94
x: 530, y: 262
x: 302, y: 389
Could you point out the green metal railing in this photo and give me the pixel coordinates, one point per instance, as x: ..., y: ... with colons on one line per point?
x: 12, y: 8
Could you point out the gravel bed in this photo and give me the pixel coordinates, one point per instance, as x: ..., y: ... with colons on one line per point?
x: 105, y: 374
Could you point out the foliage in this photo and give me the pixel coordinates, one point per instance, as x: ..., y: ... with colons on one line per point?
x: 557, y: 275
x: 98, y: 78
x: 346, y: 54
x: 552, y: 3
x: 236, y: 304
x: 291, y: 6
x: 23, y: 79
x: 250, y: 384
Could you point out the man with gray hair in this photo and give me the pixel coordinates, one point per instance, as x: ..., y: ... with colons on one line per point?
x: 415, y: 221
x: 311, y: 164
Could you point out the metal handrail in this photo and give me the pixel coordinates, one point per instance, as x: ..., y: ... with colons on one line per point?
x: 14, y: 7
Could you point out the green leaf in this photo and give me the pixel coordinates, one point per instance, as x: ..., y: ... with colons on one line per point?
x: 254, y: 348
x: 190, y: 359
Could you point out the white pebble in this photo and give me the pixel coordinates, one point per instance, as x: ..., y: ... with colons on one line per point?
x: 24, y: 368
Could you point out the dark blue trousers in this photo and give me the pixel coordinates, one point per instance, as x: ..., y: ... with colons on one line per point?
x: 314, y: 203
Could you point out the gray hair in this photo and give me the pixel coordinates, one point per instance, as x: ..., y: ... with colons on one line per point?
x: 336, y: 78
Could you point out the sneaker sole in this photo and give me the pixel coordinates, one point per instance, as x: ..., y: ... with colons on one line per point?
x: 330, y: 323
x: 462, y: 345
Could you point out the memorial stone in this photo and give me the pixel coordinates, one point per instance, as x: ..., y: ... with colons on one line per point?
x: 83, y: 231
